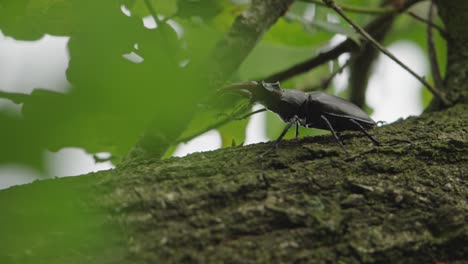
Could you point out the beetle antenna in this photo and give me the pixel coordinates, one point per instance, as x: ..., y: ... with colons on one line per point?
x: 297, y: 129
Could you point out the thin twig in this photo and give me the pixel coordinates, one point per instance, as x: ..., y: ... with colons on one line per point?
x: 358, y: 9
x: 435, y: 69
x: 442, y: 31
x: 346, y: 46
x: 326, y: 82
x: 366, y: 35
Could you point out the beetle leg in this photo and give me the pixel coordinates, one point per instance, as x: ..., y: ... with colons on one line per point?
x: 334, y: 133
x: 363, y: 130
x: 288, y: 126
x: 297, y: 129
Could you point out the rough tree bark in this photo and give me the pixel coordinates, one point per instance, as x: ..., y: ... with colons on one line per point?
x: 403, y: 202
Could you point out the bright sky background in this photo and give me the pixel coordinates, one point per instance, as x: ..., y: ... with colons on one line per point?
x: 392, y: 93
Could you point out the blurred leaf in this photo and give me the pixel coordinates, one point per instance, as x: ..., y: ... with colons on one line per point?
x: 19, y: 142
x: 274, y: 125
x: 206, y: 9
x: 56, y: 216
x: 313, y: 26
x: 223, y: 20
x: 116, y: 97
x: 233, y: 131
x: 426, y: 97
x: 162, y: 7
x: 292, y: 33
x: 336, y: 28
x: 31, y: 19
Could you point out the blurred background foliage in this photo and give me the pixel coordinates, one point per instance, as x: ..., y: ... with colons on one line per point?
x: 126, y: 76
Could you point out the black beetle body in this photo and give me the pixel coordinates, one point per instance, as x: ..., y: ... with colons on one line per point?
x: 309, y: 109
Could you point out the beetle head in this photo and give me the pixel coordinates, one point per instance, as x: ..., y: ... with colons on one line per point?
x: 263, y: 92
x: 267, y: 93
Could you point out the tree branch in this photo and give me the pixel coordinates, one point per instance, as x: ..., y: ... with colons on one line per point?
x: 435, y: 69
x: 334, y: 53
x: 359, y: 9
x: 348, y: 45
x: 246, y: 31
x: 366, y: 35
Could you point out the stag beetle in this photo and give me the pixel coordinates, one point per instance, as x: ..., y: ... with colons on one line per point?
x: 308, y: 109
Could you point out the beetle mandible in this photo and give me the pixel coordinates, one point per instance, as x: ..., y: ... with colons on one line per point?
x: 308, y: 109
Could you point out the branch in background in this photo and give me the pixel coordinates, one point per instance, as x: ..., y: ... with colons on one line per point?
x: 334, y: 53
x: 442, y: 32
x: 246, y: 31
x: 362, y: 61
x: 366, y: 35
x: 435, y: 69
x: 346, y: 46
x: 359, y: 9
x: 326, y: 82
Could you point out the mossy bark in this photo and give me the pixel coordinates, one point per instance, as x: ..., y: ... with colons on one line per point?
x: 307, y: 201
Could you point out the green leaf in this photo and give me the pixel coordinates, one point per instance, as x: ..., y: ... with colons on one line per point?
x: 162, y: 7
x: 205, y: 9
x: 333, y: 28
x: 292, y: 33
x: 19, y: 142
x: 31, y: 19
x: 233, y: 133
